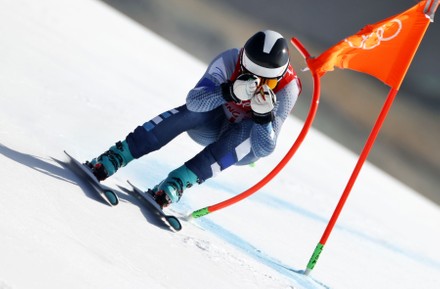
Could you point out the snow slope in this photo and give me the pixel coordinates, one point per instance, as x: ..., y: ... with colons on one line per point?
x: 76, y: 75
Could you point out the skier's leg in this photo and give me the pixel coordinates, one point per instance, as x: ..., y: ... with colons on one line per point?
x: 159, y: 131
x: 233, y: 147
x: 149, y: 137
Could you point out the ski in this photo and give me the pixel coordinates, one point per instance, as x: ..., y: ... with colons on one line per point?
x: 149, y: 202
x: 106, y: 193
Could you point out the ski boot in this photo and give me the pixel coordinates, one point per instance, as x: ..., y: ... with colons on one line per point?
x: 110, y: 161
x: 171, y: 189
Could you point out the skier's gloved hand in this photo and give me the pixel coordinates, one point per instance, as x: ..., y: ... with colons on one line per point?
x: 262, y: 105
x: 243, y: 88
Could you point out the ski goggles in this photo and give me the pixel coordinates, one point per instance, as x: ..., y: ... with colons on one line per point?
x: 270, y: 82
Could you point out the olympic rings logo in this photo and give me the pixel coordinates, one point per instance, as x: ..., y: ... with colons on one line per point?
x: 386, y: 32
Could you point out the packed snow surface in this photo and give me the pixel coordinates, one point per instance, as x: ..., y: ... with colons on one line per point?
x: 78, y: 76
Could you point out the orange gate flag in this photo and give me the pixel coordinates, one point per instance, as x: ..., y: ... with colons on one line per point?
x: 384, y: 49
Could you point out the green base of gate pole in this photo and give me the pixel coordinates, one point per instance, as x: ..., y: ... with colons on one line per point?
x: 200, y: 213
x: 314, y: 259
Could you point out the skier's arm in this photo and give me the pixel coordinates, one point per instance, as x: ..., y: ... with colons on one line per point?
x: 264, y: 136
x: 207, y: 94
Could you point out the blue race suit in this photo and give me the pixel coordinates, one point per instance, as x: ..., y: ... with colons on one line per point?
x: 226, y: 129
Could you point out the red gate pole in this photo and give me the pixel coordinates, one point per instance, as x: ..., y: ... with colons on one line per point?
x: 367, y: 148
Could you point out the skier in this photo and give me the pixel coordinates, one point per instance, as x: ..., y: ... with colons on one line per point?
x: 235, y: 111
